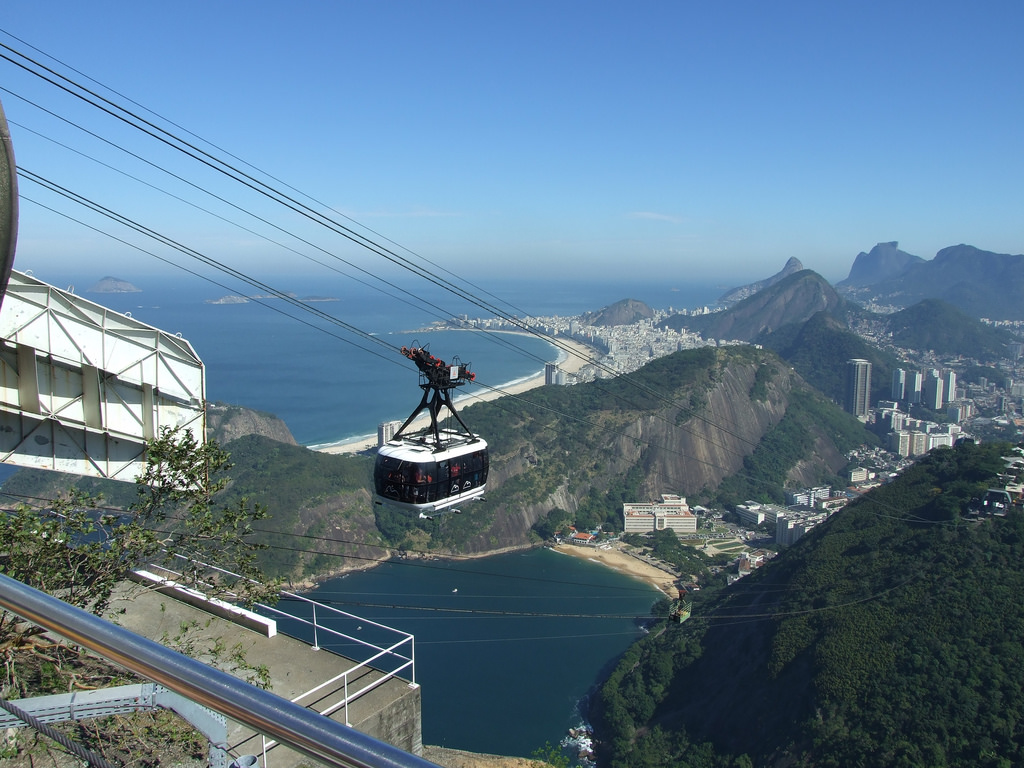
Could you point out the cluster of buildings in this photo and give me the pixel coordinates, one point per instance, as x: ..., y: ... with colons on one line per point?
x: 932, y: 389
x: 807, y: 508
x: 624, y: 348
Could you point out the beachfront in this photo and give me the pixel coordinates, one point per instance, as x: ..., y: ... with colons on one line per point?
x: 572, y: 357
x: 615, y: 558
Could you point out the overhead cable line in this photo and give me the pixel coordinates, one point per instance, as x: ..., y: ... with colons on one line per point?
x: 261, y: 187
x: 46, y: 184
x: 235, y: 174
x: 119, y: 218
x: 231, y: 172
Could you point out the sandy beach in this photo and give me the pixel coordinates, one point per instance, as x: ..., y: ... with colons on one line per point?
x: 614, y: 558
x: 569, y: 361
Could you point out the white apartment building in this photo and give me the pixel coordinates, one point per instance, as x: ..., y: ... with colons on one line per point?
x: 671, y: 513
x: 753, y: 514
x: 789, y: 528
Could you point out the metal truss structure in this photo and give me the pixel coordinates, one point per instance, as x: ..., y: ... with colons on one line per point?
x: 82, y: 388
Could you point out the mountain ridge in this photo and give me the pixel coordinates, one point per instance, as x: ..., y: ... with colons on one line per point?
x: 793, y: 299
x: 983, y: 284
x: 791, y: 266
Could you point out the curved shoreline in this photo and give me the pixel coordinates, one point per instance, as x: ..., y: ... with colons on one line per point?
x: 617, y: 559
x: 569, y: 361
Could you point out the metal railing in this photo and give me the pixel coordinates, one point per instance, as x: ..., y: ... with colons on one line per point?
x: 389, y: 660
x: 301, y: 729
x: 378, y: 654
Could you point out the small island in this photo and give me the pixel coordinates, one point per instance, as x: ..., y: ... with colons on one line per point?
x: 114, y: 285
x: 235, y: 299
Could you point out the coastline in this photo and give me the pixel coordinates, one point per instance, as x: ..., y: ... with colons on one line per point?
x: 569, y: 362
x: 617, y: 559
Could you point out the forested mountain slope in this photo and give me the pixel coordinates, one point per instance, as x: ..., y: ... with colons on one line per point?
x: 682, y: 424
x: 819, y: 348
x: 934, y: 325
x: 891, y: 635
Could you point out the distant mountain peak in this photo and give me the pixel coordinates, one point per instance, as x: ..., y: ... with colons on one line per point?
x: 624, y: 312
x: 794, y: 299
x: 884, y: 262
x: 983, y: 284
x: 738, y: 294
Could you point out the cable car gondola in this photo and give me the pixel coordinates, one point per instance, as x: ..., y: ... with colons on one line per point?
x: 432, y: 469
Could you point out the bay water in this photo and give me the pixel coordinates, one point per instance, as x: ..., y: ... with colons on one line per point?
x: 508, y: 647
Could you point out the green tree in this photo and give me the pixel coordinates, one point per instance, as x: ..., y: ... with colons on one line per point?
x: 177, y: 491
x: 79, y: 552
x: 551, y: 755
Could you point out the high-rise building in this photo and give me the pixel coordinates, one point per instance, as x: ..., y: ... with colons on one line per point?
x: 858, y: 387
x: 949, y: 387
x: 550, y: 370
x: 899, y: 384
x: 899, y: 442
x: 933, y: 390
x: 890, y: 420
x: 915, y: 382
x: 386, y: 430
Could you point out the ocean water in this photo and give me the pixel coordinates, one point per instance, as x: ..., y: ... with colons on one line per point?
x: 329, y: 384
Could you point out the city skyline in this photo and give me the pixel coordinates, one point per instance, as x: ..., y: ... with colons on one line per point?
x: 562, y: 138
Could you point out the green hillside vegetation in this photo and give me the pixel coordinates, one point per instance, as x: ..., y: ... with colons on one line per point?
x: 819, y: 348
x: 572, y: 432
x: 569, y: 432
x: 317, y: 503
x: 763, y: 477
x: 891, y: 635
x: 587, y: 448
x: 935, y: 325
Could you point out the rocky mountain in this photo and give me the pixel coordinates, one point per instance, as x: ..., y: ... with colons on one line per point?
x: 794, y: 299
x: 681, y: 424
x: 738, y: 294
x: 225, y: 423
x: 884, y: 262
x: 980, y: 283
x: 114, y: 285
x: 625, y: 312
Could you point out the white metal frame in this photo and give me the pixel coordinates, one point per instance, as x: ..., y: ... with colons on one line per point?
x: 82, y: 388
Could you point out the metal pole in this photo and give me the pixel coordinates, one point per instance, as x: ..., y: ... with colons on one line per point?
x: 303, y: 730
x: 8, y: 204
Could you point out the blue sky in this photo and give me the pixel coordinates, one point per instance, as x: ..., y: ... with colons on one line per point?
x: 676, y: 139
